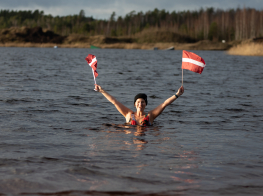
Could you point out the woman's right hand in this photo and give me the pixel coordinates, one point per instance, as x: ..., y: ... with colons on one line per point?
x: 98, y: 88
x: 180, y: 91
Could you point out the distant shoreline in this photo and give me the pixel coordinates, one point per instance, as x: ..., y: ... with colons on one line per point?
x: 244, y: 49
x: 202, y: 45
x: 148, y: 40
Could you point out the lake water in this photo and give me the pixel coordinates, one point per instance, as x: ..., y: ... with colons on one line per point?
x: 60, y: 137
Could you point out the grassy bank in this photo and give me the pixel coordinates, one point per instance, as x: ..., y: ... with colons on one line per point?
x: 147, y: 39
x: 247, y: 49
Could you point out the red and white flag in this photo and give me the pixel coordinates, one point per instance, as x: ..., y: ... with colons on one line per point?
x: 192, y: 62
x: 92, y: 61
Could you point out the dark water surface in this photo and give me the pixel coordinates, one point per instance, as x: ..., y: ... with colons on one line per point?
x: 60, y: 137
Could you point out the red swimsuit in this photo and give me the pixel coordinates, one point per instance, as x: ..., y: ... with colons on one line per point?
x: 145, y: 120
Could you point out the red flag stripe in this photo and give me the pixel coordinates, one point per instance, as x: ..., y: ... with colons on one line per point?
x: 192, y: 67
x: 89, y: 58
x: 96, y: 73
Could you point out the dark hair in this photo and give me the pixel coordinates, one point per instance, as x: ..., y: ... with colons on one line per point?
x: 141, y: 95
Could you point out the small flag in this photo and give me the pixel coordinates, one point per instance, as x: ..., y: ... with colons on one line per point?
x: 92, y: 61
x: 192, y: 62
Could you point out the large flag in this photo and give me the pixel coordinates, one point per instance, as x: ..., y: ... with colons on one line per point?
x: 192, y: 62
x: 92, y: 61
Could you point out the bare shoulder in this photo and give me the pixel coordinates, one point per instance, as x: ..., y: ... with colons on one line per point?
x: 128, y: 116
x: 151, y: 118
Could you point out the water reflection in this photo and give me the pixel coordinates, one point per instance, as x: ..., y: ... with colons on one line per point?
x: 139, y: 142
x: 184, y: 160
x: 140, y: 133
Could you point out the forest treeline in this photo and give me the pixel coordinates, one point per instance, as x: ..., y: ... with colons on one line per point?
x: 203, y: 24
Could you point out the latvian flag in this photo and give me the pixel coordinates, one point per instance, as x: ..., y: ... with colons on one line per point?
x: 192, y: 62
x: 92, y: 61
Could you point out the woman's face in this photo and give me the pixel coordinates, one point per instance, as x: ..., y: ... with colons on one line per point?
x: 140, y: 104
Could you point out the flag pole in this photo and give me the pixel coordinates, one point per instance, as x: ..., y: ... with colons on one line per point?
x: 94, y: 78
x: 182, y: 76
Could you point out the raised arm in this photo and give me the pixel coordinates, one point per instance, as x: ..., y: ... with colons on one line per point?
x: 120, y: 107
x: 159, y: 109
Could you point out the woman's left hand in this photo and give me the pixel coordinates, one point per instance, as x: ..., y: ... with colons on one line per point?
x: 98, y: 88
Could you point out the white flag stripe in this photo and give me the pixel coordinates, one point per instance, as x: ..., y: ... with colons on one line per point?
x: 194, y: 62
x: 93, y: 60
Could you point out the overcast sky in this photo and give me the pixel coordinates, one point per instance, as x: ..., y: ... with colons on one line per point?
x: 102, y: 9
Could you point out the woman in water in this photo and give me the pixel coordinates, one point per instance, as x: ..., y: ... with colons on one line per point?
x: 140, y: 101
